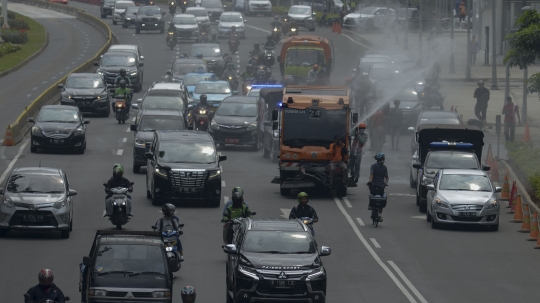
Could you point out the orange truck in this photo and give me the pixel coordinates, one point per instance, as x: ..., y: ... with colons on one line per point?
x: 300, y: 53
x: 307, y: 121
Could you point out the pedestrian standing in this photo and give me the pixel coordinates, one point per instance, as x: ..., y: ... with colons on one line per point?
x: 462, y: 12
x: 482, y: 97
x: 473, y: 49
x: 395, y: 120
x: 510, y: 111
x: 357, y: 149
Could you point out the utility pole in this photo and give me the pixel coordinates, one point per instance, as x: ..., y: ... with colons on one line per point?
x: 406, y: 37
x: 5, y: 16
x: 493, y: 46
x: 421, y: 23
x: 525, y: 78
x: 452, y: 64
x: 469, y: 57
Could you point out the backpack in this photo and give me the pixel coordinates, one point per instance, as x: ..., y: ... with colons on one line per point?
x: 173, y: 219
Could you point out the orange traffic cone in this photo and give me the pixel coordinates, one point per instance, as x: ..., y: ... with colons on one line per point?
x: 489, y: 157
x: 533, y: 236
x: 526, y: 224
x: 334, y: 27
x: 518, y: 215
x: 512, y: 200
x: 527, y: 134
x: 339, y: 28
x: 505, y: 193
x: 8, y: 140
x: 495, y: 171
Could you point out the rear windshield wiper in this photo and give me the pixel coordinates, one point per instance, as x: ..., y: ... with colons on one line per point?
x: 146, y: 273
x: 114, y: 272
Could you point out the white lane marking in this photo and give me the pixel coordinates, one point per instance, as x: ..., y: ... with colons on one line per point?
x: 360, y: 222
x: 221, y: 167
x: 257, y: 28
x: 60, y: 73
x: 128, y: 130
x: 28, y: 95
x: 119, y: 152
x: 285, y: 212
x: 375, y: 243
x: 54, y: 77
x: 10, y: 166
x: 418, y: 217
x: 225, y: 199
x: 398, y: 194
x: 347, y: 202
x: 124, y: 140
x: 404, y: 278
x: 35, y: 88
x: 373, y: 253
x: 223, y: 184
x: 43, y: 82
x: 133, y: 119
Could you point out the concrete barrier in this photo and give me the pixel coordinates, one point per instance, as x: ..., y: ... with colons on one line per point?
x: 20, y: 127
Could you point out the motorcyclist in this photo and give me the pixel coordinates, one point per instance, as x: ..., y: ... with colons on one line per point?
x: 269, y: 42
x: 214, y: 39
x: 204, y: 27
x: 233, y: 38
x: 122, y: 76
x: 276, y: 23
x: 312, y: 75
x: 338, y: 155
x: 117, y: 180
x: 45, y: 290
x: 303, y: 209
x: 357, y: 149
x: 172, y: 28
x: 238, y: 209
x: 188, y: 294
x: 322, y: 21
x: 256, y: 50
x: 225, y: 207
x: 124, y: 91
x: 248, y: 73
x: 172, y: 223
x: 203, y: 102
x: 255, y: 60
x: 230, y: 72
x: 233, y: 33
x: 378, y: 178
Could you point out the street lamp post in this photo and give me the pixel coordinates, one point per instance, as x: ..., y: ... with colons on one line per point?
x: 452, y: 64
x: 469, y: 54
x: 406, y: 37
x: 525, y: 77
x: 421, y: 26
x: 493, y: 46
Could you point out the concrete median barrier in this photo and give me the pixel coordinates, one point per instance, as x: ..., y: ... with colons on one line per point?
x: 16, y: 131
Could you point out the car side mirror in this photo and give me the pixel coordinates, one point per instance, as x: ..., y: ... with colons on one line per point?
x: 235, y: 92
x: 430, y: 187
x: 245, y: 21
x: 133, y: 127
x: 325, y: 251
x: 274, y: 114
x: 275, y: 125
x: 96, y: 63
x: 485, y: 168
x: 86, y: 121
x: 86, y: 261
x: 417, y: 165
x: 31, y: 120
x: 149, y: 156
x: 72, y: 193
x: 355, y: 118
x: 229, y: 249
x: 61, y: 86
x: 1, y: 190
x: 222, y: 158
x: 135, y: 106
x: 314, y: 14
x: 498, y: 189
x: 168, y: 72
x: 411, y: 129
x: 139, y: 100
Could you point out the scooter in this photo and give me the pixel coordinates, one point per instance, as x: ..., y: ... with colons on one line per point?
x: 246, y: 87
x: 202, y: 118
x: 203, y: 37
x: 269, y: 59
x: 172, y: 8
x: 183, y: 6
x: 171, y: 40
x: 293, y: 31
x: 27, y: 298
x: 119, y: 215
x: 233, y: 83
x: 121, y: 110
x: 233, y: 44
x: 285, y: 25
x: 170, y: 238
x: 375, y: 204
x: 276, y: 34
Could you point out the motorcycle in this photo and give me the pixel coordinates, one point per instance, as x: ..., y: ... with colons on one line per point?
x: 446, y: 23
x: 294, y: 31
x: 119, y: 215
x: 121, y: 110
x: 233, y: 82
x: 285, y: 25
x: 183, y: 6
x: 232, y: 226
x: 170, y: 238
x: 233, y: 44
x: 246, y: 86
x: 203, y: 37
x: 172, y: 8
x: 376, y: 203
x: 29, y: 299
x: 309, y: 223
x: 262, y: 73
x: 202, y: 118
x: 171, y: 40
x: 276, y: 34
x: 269, y: 58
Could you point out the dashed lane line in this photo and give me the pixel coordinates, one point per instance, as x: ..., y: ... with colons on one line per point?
x: 10, y: 166
x: 223, y: 184
x: 360, y: 222
x: 128, y: 130
x: 124, y: 140
x: 119, y: 152
x: 375, y: 243
x: 408, y: 282
x: 347, y: 202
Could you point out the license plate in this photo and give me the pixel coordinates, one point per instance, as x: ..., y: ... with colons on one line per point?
x: 33, y: 218
x: 467, y: 214
x: 185, y: 190
x: 232, y: 141
x: 282, y: 284
x: 57, y: 141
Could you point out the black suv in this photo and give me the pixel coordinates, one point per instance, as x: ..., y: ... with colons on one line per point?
x: 112, y: 62
x: 183, y: 165
x: 274, y: 260
x: 150, y: 18
x: 106, y: 8
x: 88, y: 91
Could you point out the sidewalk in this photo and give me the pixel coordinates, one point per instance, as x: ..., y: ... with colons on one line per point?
x: 458, y: 91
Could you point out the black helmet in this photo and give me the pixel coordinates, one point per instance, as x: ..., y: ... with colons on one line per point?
x: 168, y: 210
x: 122, y: 72
x: 379, y: 157
x: 199, y: 55
x: 45, y: 277
x: 122, y: 83
x: 237, y: 193
x: 203, y: 98
x: 256, y: 45
x: 188, y: 294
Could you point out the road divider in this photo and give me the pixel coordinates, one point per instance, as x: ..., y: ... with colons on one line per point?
x: 20, y: 127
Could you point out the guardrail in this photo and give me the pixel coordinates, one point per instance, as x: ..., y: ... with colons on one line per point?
x: 16, y: 131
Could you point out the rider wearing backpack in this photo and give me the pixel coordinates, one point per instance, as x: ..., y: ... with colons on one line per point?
x: 170, y: 222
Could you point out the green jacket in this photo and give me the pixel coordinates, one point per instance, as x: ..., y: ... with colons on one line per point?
x: 123, y: 91
x: 232, y: 213
x: 213, y: 41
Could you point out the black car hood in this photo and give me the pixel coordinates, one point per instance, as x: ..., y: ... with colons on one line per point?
x: 149, y: 16
x: 34, y: 198
x: 124, y: 281
x: 146, y: 135
x: 214, y: 10
x: 180, y: 166
x: 57, y: 127
x: 279, y: 261
x: 84, y: 91
x: 233, y: 120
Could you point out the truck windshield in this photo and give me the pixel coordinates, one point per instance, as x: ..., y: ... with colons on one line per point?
x: 449, y: 159
x: 312, y: 127
x: 132, y: 259
x: 304, y: 57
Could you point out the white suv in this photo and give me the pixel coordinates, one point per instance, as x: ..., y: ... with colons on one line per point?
x: 254, y: 7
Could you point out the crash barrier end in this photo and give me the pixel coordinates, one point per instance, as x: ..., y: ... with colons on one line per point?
x: 8, y: 140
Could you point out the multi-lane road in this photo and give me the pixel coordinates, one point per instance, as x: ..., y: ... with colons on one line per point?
x: 403, y: 260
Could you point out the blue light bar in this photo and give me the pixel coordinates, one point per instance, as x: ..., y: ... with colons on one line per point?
x: 266, y: 85
x: 454, y: 145
x: 279, y: 104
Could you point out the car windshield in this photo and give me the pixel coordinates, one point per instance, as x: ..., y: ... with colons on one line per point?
x: 132, y: 9
x: 186, y: 68
x: 149, y: 10
x: 434, y: 120
x: 149, y: 123
x: 381, y: 73
x: 123, y: 5
x: 129, y: 259
x: 35, y: 183
x: 231, y: 18
x: 117, y: 60
x: 237, y: 109
x: 110, y: 1
x: 254, y: 92
x: 206, y: 51
x: 213, y: 88
x: 194, y: 79
x: 312, y: 127
x: 58, y: 115
x: 368, y: 10
x: 198, y: 12
x: 405, y: 96
x: 296, y: 10
x: 304, y: 57
x: 182, y: 19
x: 180, y: 152
x: 284, y: 242
x: 163, y: 102
x: 448, y: 159
x: 83, y: 82
x: 212, y: 4
x: 465, y: 182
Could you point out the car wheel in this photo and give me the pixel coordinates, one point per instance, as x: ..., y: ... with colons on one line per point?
x: 3, y: 232
x: 64, y: 233
x: 137, y: 31
x: 162, y: 30
x: 284, y: 191
x: 434, y: 225
x: 107, y: 113
x: 71, y: 225
x: 422, y: 207
x: 494, y: 227
x: 124, y: 25
x: 257, y: 145
x: 136, y: 168
x: 140, y: 86
x: 33, y: 149
x: 411, y: 181
x: 148, y: 194
x: 428, y: 216
x: 81, y: 149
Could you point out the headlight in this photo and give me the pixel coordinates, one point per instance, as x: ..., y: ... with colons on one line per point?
x: 213, y: 124
x: 276, y: 133
x: 78, y: 132
x: 247, y: 271
x: 252, y: 126
x: 293, y: 29
x: 140, y: 142
x: 36, y: 130
x: 128, y: 18
x: 161, y: 294
x: 441, y: 203
x: 161, y: 173
x: 275, y: 29
x: 101, y: 72
x: 491, y: 204
x: 316, y: 272
x: 66, y: 96
x: 171, y: 33
x: 133, y: 74
x: 426, y: 180
x: 97, y: 293
x: 214, y: 174
x: 168, y: 248
x: 8, y: 203
x: 59, y: 204
x: 202, y: 112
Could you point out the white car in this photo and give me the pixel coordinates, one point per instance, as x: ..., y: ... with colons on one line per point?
x: 230, y: 19
x: 254, y: 7
x: 119, y: 9
x: 200, y: 13
x: 370, y: 18
x: 303, y: 15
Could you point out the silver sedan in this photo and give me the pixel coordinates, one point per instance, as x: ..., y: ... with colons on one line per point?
x: 463, y: 196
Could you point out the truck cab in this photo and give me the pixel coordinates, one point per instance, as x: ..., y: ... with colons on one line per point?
x: 126, y: 266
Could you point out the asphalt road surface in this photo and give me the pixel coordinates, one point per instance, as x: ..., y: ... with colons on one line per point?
x: 71, y: 43
x: 403, y: 260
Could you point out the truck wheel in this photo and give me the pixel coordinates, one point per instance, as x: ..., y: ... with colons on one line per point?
x: 228, y: 298
x: 285, y: 191
x: 64, y: 233
x: 423, y: 207
x: 341, y: 191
